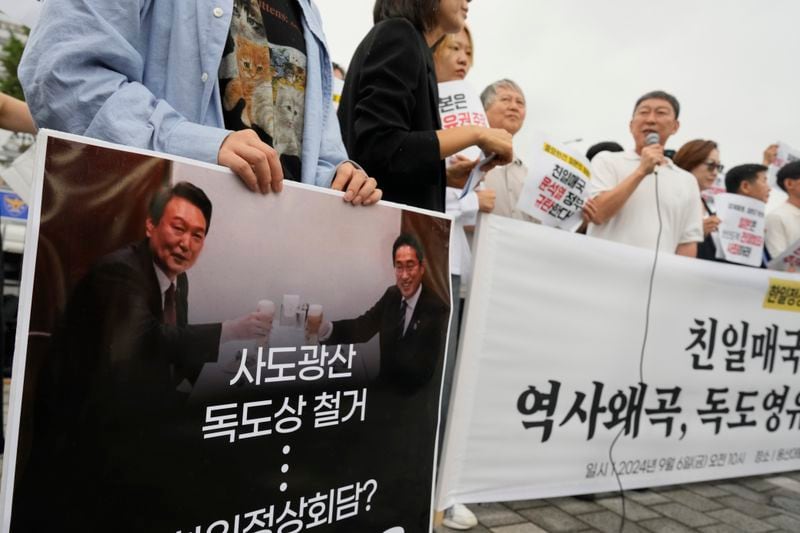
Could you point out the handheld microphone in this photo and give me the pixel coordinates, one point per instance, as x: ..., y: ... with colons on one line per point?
x: 650, y: 139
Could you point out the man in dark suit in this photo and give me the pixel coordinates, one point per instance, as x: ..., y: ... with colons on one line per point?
x: 403, y: 403
x: 410, y: 319
x: 111, y: 432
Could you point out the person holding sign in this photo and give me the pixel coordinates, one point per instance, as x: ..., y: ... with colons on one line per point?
x: 742, y: 228
x: 701, y: 158
x: 644, y: 195
x: 453, y: 59
x: 237, y: 83
x: 783, y: 223
x: 504, y: 102
x: 389, y: 110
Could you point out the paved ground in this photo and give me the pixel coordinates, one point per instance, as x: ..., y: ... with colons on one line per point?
x: 753, y: 504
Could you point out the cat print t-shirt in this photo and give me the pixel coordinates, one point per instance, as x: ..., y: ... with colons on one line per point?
x: 263, y: 76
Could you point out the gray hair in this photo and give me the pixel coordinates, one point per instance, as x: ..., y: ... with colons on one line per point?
x: 490, y: 93
x: 660, y: 95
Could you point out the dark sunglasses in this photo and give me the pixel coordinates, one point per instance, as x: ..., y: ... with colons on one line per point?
x: 710, y: 165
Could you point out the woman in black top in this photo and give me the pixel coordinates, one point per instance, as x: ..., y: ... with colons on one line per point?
x: 701, y: 158
x: 389, y: 108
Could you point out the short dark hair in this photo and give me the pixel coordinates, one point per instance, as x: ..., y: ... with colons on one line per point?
x: 406, y: 239
x: 420, y: 13
x: 191, y: 193
x: 747, y: 172
x: 660, y: 95
x: 694, y: 153
x: 789, y: 171
x: 605, y: 146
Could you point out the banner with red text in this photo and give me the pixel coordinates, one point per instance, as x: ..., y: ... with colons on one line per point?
x: 172, y: 373
x: 552, y: 369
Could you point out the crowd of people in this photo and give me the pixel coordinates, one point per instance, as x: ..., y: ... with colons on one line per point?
x: 250, y: 89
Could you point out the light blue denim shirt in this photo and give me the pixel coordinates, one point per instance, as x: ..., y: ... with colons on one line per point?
x: 144, y: 73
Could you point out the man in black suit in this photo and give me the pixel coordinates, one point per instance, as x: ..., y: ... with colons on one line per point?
x: 410, y: 319
x: 112, y: 439
x: 403, y: 403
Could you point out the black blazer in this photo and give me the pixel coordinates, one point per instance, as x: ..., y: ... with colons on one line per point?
x: 107, y: 412
x: 408, y: 359
x: 389, y: 114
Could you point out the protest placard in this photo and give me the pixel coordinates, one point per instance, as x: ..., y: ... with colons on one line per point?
x: 338, y: 86
x: 741, y: 230
x: 275, y: 395
x: 786, y: 154
x: 557, y: 186
x: 460, y: 105
x: 789, y: 260
x: 554, y: 368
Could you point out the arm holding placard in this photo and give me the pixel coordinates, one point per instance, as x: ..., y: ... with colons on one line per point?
x: 489, y: 140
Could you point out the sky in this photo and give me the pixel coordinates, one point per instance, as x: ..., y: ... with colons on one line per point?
x: 583, y: 64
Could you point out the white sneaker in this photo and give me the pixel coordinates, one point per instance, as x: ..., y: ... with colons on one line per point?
x: 459, y: 517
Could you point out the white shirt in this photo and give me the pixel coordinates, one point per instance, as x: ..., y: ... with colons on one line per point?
x: 636, y: 223
x: 507, y: 182
x: 782, y: 228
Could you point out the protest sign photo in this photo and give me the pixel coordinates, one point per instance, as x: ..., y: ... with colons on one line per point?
x: 193, y: 357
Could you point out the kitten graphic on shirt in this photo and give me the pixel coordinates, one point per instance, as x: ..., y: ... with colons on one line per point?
x: 289, y: 106
x: 252, y: 62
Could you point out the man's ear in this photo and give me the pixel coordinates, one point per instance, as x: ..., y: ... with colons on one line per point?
x: 677, y: 127
x: 148, y: 226
x: 745, y: 188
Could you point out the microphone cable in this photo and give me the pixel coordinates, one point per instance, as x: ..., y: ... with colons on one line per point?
x: 644, y: 342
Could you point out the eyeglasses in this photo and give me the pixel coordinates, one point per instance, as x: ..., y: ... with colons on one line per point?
x: 408, y: 267
x: 711, y: 165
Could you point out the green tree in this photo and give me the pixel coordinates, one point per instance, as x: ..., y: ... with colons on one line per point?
x: 9, y: 58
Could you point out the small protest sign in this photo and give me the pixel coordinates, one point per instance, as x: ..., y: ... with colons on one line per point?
x: 789, y: 260
x: 741, y: 230
x: 786, y: 154
x: 460, y: 105
x: 557, y: 187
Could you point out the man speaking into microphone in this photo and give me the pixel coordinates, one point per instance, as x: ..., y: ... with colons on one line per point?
x: 642, y: 192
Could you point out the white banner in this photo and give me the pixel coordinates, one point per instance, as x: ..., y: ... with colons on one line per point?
x: 786, y: 154
x: 557, y: 186
x: 789, y: 260
x: 741, y: 228
x: 552, y: 369
x: 460, y: 105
